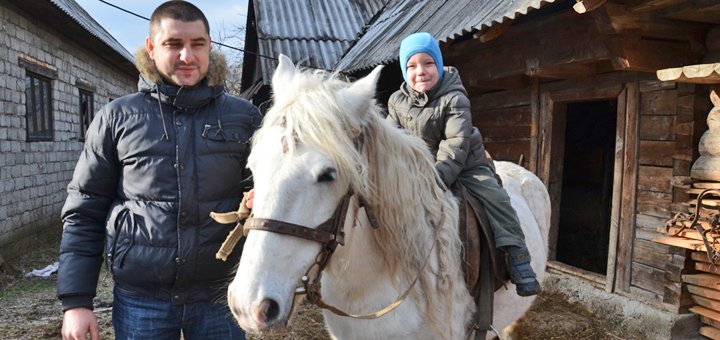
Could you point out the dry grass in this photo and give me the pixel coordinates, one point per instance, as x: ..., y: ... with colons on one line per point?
x: 29, y: 310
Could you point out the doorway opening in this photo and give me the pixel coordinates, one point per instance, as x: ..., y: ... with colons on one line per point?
x: 587, y: 185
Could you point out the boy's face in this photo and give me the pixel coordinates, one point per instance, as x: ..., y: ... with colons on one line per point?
x: 181, y: 50
x: 422, y: 73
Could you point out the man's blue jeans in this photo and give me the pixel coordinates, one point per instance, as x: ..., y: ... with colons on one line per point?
x: 143, y: 317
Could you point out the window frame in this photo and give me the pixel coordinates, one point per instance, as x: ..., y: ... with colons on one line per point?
x: 87, y: 112
x: 40, y: 126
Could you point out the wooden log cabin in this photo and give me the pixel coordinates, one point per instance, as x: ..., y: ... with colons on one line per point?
x: 576, y: 99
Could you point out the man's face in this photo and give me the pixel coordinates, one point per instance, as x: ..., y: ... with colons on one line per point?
x: 181, y: 50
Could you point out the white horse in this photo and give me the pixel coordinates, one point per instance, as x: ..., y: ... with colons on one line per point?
x: 325, y: 140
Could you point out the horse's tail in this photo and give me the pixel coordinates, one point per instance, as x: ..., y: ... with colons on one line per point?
x: 532, y: 189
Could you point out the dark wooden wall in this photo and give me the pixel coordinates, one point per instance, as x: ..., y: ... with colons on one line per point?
x: 520, y: 82
x: 672, y: 120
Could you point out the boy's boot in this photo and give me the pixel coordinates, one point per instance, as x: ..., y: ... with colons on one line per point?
x: 521, y: 274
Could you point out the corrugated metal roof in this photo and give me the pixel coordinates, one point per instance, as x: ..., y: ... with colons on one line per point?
x: 313, y: 33
x: 77, y: 13
x: 442, y: 18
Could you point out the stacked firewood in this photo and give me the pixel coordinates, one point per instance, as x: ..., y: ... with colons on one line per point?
x: 698, y: 230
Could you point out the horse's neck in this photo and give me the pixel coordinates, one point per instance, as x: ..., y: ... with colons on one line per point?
x: 358, y: 265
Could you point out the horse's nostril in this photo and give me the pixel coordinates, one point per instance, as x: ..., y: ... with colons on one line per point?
x: 272, y: 309
x: 267, y: 311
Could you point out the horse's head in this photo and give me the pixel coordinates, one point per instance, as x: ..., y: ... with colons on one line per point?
x: 304, y: 160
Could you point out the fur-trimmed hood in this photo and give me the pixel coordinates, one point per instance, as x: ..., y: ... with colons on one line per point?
x: 215, y: 76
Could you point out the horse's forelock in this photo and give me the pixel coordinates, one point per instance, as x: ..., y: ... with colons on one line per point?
x: 313, y: 108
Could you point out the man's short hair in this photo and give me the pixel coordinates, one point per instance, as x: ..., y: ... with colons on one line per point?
x: 178, y: 10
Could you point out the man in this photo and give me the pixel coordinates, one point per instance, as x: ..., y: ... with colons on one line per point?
x: 154, y: 165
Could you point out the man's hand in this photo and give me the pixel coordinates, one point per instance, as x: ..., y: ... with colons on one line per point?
x: 250, y: 198
x: 78, y: 322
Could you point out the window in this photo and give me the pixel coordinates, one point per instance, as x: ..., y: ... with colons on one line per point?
x: 87, y: 111
x: 38, y: 107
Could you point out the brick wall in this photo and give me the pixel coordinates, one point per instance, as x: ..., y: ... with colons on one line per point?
x: 33, y: 175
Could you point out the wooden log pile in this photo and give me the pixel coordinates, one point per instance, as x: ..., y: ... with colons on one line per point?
x: 704, y: 287
x: 702, y: 279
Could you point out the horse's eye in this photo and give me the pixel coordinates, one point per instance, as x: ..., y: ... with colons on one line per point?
x: 327, y: 175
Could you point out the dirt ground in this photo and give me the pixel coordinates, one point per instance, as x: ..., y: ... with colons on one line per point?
x: 29, y: 310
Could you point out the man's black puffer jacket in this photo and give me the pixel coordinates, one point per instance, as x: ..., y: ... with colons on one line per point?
x: 155, y: 164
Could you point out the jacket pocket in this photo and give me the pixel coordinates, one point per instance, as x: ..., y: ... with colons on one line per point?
x: 227, y: 138
x: 118, y: 244
x: 228, y: 132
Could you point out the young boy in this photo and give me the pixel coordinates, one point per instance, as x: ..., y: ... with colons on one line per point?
x: 433, y: 104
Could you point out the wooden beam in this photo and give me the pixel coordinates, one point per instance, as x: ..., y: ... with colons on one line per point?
x: 526, y: 44
x: 654, y: 204
x: 558, y: 71
x: 706, y: 312
x: 703, y: 280
x: 628, y: 51
x: 658, y: 153
x: 707, y: 267
x: 699, y: 11
x: 709, y: 321
x: 681, y: 242
x: 650, y: 253
x: 494, y: 31
x: 648, y: 278
x: 651, y: 178
x: 616, y: 18
x: 651, y: 5
x: 690, y: 233
x: 710, y: 332
x: 513, y: 82
x: 704, y: 292
x: 629, y: 190
x: 701, y: 257
x: 616, y: 208
x: 534, y: 126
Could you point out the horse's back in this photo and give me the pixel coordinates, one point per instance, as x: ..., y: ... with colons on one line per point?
x: 519, y: 181
x: 532, y: 204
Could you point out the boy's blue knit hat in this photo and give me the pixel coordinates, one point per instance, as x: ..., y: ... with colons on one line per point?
x: 416, y: 43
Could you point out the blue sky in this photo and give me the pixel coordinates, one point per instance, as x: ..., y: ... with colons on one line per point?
x: 131, y: 31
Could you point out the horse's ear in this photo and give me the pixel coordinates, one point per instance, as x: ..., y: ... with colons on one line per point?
x: 284, y: 72
x: 368, y: 83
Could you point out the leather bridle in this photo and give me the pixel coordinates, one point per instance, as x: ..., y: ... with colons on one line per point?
x: 329, y: 234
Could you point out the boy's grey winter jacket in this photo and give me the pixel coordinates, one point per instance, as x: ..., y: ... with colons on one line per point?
x: 442, y: 118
